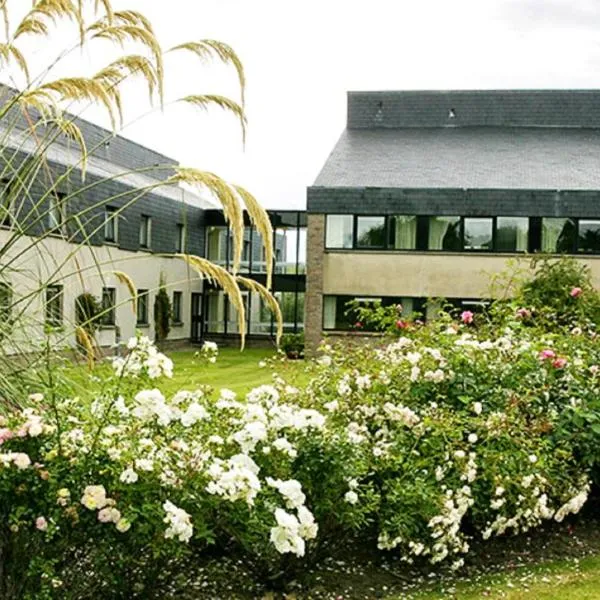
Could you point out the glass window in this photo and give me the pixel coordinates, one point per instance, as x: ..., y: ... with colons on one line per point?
x: 260, y: 316
x: 216, y: 245
x: 512, y: 234
x: 111, y: 229
x: 340, y: 229
x: 142, y: 307
x: 444, y: 233
x: 145, y: 231
x: 558, y: 235
x: 215, y: 307
x: 54, y: 305
x: 180, y: 238
x: 302, y: 250
x: 292, y: 310
x: 370, y: 232
x: 478, y: 234
x: 6, y: 205
x: 177, y: 296
x: 588, y: 239
x: 403, y: 232
x: 109, y: 301
x: 5, y: 302
x: 56, y: 212
x: 232, y: 314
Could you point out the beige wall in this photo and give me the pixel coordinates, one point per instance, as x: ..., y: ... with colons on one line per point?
x: 424, y: 275
x: 89, y: 269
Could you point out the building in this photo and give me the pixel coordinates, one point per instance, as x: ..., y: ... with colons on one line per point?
x: 427, y: 193
x: 133, y: 222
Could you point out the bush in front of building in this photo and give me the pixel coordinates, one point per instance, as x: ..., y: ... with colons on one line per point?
x: 292, y: 344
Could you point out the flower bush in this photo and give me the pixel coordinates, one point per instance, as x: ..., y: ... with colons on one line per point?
x: 450, y: 432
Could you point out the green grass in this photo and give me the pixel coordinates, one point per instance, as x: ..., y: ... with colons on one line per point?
x: 560, y: 580
x: 234, y: 369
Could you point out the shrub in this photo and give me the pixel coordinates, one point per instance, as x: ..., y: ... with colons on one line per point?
x: 293, y: 345
x: 162, y: 313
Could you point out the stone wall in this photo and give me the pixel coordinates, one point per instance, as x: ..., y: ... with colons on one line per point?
x: 315, y: 250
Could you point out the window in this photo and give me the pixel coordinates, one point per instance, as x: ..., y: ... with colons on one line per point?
x: 512, y: 234
x: 54, y: 305
x: 588, y: 238
x: 145, y: 231
x: 5, y: 302
x: 142, y: 307
x: 403, y: 233
x: 478, y: 234
x: 339, y: 231
x: 109, y: 301
x: 176, y: 308
x: 6, y: 205
x: 246, y: 250
x: 111, y: 224
x: 180, y: 239
x: 444, y: 233
x: 370, y: 232
x: 558, y: 235
x: 56, y: 212
x: 216, y: 245
x: 337, y: 315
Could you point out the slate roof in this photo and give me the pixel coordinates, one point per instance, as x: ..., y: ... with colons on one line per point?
x: 541, y: 158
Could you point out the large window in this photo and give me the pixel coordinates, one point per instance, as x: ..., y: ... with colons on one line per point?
x: 588, y: 238
x: 145, y: 231
x: 444, y: 233
x: 54, y: 305
x: 109, y: 301
x: 180, y: 238
x: 142, y: 307
x: 216, y: 245
x: 558, y: 235
x: 370, y: 232
x: 339, y: 315
x: 403, y: 232
x: 339, y: 231
x: 176, y: 308
x: 111, y: 224
x: 512, y: 234
x: 478, y: 234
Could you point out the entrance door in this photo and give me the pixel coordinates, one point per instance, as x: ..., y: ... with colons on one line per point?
x: 196, y: 333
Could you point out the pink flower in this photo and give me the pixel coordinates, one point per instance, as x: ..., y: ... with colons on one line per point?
x: 523, y: 313
x: 400, y: 324
x: 576, y: 291
x: 358, y: 324
x: 5, y: 434
x: 41, y: 523
x: 559, y: 363
x: 544, y: 354
x: 466, y: 317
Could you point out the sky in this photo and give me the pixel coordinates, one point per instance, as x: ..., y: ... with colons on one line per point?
x: 301, y: 57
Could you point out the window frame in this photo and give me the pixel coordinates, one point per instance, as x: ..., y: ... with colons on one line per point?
x: 181, y: 238
x: 145, y: 233
x: 177, y: 318
x: 111, y: 219
x: 145, y: 296
x: 578, y: 250
x: 57, y: 205
x: 52, y: 320
x: 109, y: 313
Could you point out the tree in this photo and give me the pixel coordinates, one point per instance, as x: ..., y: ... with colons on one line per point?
x: 162, y: 313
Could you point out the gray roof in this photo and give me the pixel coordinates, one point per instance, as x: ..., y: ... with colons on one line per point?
x: 474, y: 108
x: 466, y: 157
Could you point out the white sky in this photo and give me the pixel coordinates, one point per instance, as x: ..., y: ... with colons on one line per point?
x: 301, y: 57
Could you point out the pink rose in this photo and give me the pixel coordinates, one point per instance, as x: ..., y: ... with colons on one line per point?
x: 559, y: 363
x: 400, y: 324
x: 5, y: 434
x: 466, y: 317
x: 575, y: 292
x: 41, y: 524
x: 523, y: 313
x: 545, y: 354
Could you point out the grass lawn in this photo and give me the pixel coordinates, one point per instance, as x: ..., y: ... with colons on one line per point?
x: 234, y: 369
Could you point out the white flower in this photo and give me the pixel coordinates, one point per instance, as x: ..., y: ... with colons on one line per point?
x: 532, y: 458
x: 128, y: 476
x: 351, y: 497
x: 308, y: 528
x: 472, y: 438
x: 331, y: 406
x: 144, y: 464
x: 94, y: 497
x: 179, y: 521
x: 235, y: 479
x: 123, y: 525
x: 363, y: 382
x: 477, y: 408
x: 283, y: 445
x: 414, y: 373
x: 20, y: 460
x: 291, y: 490
x: 286, y: 535
x: 324, y: 360
x: 109, y: 514
x: 194, y: 413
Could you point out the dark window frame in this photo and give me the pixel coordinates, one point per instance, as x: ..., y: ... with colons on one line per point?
x: 145, y: 233
x: 142, y: 316
x: 54, y: 306
x: 57, y: 201
x: 111, y: 220
x: 177, y: 307
x: 109, y: 316
x: 181, y: 238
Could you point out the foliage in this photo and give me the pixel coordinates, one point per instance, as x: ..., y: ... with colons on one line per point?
x: 292, y: 345
x: 162, y: 313
x: 87, y: 311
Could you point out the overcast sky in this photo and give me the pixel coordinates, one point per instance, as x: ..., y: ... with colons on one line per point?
x: 302, y: 56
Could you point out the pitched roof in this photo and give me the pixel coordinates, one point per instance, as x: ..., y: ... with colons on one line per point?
x: 466, y: 157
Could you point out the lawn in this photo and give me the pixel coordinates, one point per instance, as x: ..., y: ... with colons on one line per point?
x: 237, y: 370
